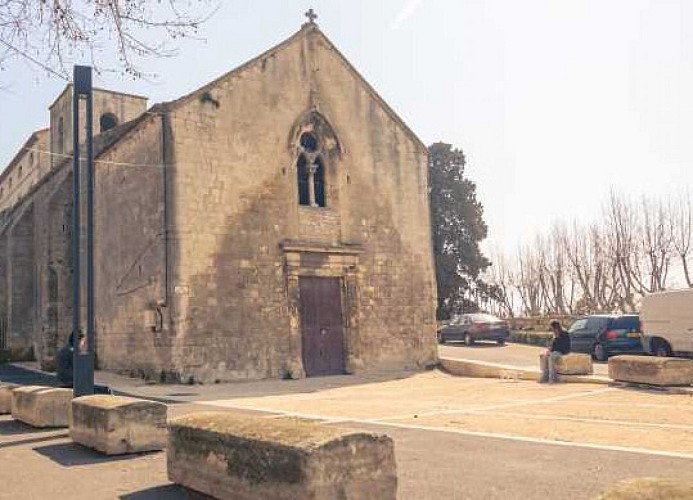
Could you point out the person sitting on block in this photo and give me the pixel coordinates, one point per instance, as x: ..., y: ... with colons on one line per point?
x: 560, y: 345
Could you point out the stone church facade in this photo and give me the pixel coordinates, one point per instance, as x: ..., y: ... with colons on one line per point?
x: 274, y: 223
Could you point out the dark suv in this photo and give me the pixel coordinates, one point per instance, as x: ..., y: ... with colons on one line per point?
x: 602, y: 335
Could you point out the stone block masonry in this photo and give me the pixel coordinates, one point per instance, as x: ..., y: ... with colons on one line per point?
x: 230, y: 457
x: 41, y: 406
x: 651, y: 370
x: 116, y: 425
x: 575, y: 364
x: 6, y: 397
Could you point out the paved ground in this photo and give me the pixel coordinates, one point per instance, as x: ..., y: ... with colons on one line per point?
x: 455, y: 437
x: 519, y: 355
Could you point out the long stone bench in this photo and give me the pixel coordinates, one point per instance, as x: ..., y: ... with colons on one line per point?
x: 575, y: 364
x: 651, y: 370
x: 41, y: 406
x: 116, y: 425
x: 243, y: 458
x: 6, y: 397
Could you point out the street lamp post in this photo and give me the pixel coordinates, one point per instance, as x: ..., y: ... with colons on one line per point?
x: 83, y: 360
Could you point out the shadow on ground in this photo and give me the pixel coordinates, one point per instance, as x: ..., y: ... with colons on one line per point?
x: 168, y: 492
x: 18, y: 375
x: 13, y: 427
x: 71, y: 455
x: 475, y: 345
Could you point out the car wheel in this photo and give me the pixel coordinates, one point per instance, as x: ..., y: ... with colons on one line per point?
x: 468, y: 339
x: 500, y: 341
x: 661, y: 348
x: 599, y: 352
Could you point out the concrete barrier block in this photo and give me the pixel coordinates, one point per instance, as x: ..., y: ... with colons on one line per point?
x: 116, y: 425
x: 575, y: 364
x: 6, y: 397
x: 41, y: 406
x: 651, y: 370
x: 243, y: 458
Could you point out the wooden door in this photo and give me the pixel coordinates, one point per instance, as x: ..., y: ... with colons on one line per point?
x: 321, y: 326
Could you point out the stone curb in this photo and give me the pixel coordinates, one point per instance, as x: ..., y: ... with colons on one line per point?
x: 482, y: 369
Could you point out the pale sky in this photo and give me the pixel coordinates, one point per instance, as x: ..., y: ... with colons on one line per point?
x: 553, y: 101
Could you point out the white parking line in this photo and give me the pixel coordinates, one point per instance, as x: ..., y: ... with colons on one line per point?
x: 509, y: 437
x: 500, y: 406
x: 625, y: 423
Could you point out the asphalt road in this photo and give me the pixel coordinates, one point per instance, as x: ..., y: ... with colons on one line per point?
x: 519, y: 355
x: 431, y: 465
x: 455, y: 438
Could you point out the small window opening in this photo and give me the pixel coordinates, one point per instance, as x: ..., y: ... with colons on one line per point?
x: 61, y: 134
x: 108, y: 121
x: 19, y: 172
x: 309, y: 142
x: 319, y: 182
x: 303, y: 182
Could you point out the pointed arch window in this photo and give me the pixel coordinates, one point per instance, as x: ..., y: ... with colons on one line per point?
x: 303, y: 181
x: 310, y: 170
x: 319, y: 182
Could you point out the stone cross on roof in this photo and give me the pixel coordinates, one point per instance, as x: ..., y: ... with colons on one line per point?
x: 311, y: 15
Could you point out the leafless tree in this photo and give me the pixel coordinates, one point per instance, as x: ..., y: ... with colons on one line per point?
x: 50, y: 33
x: 501, y: 279
x: 681, y: 214
x: 528, y: 282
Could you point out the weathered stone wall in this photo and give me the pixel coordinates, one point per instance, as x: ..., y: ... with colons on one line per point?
x: 236, y: 201
x: 125, y: 108
x: 27, y: 168
x: 21, y: 282
x: 53, y: 263
x: 130, y: 255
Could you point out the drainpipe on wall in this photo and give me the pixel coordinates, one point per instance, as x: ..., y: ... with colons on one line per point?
x: 167, y: 160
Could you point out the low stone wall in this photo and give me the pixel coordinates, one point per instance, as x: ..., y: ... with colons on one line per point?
x: 575, y: 364
x: 649, y: 488
x: 116, y: 425
x: 6, y: 397
x: 41, y: 406
x: 651, y: 370
x: 226, y: 456
x: 539, y: 323
x: 530, y: 337
x: 481, y: 369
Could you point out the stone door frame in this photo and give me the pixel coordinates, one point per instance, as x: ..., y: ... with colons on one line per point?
x: 322, y: 261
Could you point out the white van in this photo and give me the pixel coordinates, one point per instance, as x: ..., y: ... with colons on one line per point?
x: 667, y: 323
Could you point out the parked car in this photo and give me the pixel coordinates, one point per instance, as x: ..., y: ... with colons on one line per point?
x: 667, y: 323
x: 602, y: 335
x: 472, y: 327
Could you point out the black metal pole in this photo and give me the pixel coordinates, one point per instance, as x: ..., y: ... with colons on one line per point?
x: 91, y: 330
x: 83, y: 379
x: 76, y: 233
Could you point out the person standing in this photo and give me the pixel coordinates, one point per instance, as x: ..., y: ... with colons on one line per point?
x: 560, y: 346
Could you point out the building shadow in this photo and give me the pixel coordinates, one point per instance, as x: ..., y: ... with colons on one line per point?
x: 165, y: 492
x: 16, y: 374
x: 34, y: 440
x: 14, y: 427
x: 73, y: 455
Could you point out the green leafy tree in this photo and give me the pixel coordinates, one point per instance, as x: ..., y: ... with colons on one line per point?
x: 458, y: 228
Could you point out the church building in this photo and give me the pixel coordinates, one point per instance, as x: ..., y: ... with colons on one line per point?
x: 272, y: 224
